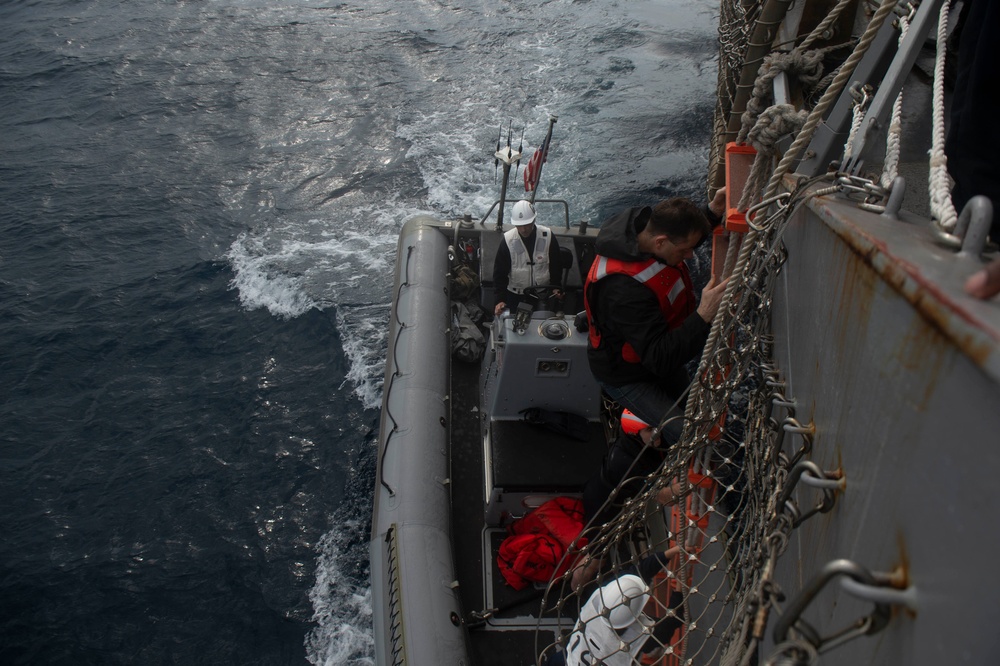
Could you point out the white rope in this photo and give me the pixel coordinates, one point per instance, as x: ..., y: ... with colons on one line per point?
x: 939, y: 182
x: 891, y: 166
x: 857, y: 115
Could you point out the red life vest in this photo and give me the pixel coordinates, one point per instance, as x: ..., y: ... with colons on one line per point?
x: 670, y: 284
x: 534, y: 550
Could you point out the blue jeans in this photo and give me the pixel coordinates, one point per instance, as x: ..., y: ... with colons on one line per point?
x: 651, y: 404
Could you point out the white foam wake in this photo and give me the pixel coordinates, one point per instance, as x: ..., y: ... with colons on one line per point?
x: 261, y: 282
x: 342, y: 609
x: 346, y: 265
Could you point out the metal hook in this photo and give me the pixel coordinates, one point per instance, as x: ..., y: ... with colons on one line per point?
x: 974, y: 226
x: 881, y: 594
x: 809, y: 473
x: 895, y: 202
x: 828, y: 481
x: 780, y: 199
x: 790, y: 424
x: 792, y: 616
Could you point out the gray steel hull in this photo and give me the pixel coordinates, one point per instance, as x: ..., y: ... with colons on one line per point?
x: 898, y: 371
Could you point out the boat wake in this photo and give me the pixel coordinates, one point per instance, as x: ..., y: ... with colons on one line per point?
x: 291, y: 269
x: 330, y: 243
x: 342, y: 607
x: 261, y: 283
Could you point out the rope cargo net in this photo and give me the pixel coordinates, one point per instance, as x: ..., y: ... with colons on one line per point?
x: 719, y: 512
x: 735, y: 21
x: 728, y: 512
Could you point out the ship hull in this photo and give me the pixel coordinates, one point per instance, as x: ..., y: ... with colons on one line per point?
x: 897, y: 372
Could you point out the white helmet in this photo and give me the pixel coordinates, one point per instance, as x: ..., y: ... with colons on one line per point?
x: 524, y: 213
x: 623, y: 599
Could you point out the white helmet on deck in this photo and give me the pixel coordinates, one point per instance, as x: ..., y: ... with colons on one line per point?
x: 524, y: 213
x: 622, y: 601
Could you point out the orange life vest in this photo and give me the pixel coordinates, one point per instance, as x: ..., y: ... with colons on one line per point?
x: 670, y: 284
x: 534, y: 551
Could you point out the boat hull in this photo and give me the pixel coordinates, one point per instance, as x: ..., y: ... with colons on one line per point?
x: 416, y: 609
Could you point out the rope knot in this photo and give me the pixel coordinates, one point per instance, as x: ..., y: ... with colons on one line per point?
x: 773, y: 123
x: 806, y: 66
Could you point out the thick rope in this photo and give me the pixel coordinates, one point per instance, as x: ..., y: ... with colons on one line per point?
x: 808, y: 67
x: 939, y: 182
x: 892, y: 138
x: 775, y: 122
x: 823, y: 25
x: 829, y: 97
x: 771, y: 123
x: 806, y: 64
x: 732, y: 252
x: 857, y: 116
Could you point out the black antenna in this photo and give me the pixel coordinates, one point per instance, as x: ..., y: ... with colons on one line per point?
x: 496, y: 160
x: 507, y: 158
x: 520, y: 151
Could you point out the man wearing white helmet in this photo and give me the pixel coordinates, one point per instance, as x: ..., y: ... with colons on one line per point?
x: 613, y: 628
x: 528, y: 257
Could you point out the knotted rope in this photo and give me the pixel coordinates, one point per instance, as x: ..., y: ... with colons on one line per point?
x: 891, y: 166
x: 807, y: 66
x: 861, y: 98
x: 772, y: 124
x: 939, y: 182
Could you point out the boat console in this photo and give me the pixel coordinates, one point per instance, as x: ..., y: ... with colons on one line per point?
x: 542, y: 433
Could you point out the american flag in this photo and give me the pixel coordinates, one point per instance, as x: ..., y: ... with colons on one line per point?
x: 533, y: 170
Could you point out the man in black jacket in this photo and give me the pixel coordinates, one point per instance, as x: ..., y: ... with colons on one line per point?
x: 645, y: 322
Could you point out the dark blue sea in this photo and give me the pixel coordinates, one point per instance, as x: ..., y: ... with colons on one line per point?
x: 199, y: 203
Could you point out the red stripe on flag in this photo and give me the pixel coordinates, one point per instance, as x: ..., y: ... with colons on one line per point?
x: 534, y: 167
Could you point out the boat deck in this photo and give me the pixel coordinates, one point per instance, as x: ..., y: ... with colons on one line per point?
x: 527, y: 464
x: 531, y: 461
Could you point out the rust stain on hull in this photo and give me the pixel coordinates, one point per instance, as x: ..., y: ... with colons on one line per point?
x: 976, y: 339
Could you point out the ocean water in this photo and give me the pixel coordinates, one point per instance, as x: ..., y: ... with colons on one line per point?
x: 199, y: 204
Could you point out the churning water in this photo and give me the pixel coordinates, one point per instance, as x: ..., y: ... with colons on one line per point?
x: 199, y: 204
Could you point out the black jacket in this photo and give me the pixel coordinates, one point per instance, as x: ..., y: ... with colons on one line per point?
x: 627, y: 311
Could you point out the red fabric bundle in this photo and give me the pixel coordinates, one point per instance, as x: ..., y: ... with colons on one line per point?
x: 538, y: 541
